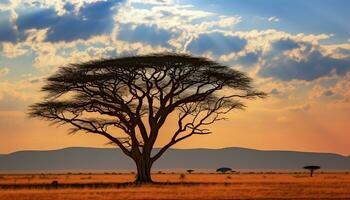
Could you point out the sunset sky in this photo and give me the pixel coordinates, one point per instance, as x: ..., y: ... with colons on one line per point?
x: 297, y: 51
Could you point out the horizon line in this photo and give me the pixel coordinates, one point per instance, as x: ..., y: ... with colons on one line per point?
x: 197, y: 148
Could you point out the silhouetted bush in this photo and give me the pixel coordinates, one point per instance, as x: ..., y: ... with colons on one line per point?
x: 312, y: 168
x: 182, y: 177
x: 223, y: 170
x: 54, y: 184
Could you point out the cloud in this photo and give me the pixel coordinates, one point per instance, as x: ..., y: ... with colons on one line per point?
x: 91, y: 20
x: 5, y: 4
x: 11, y: 50
x: 248, y: 59
x: 38, y: 19
x: 160, y: 18
x: 284, y: 44
x: 273, y: 19
x: 313, y: 66
x: 341, y: 88
x: 4, y: 71
x: 8, y: 31
x: 297, y: 59
x: 152, y: 2
x: 144, y: 33
x: 216, y: 43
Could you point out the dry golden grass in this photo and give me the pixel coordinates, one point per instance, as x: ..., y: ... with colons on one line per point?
x: 223, y: 186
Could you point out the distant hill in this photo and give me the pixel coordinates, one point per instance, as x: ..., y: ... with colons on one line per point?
x: 97, y: 159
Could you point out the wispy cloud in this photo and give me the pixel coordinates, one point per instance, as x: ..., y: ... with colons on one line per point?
x: 273, y: 19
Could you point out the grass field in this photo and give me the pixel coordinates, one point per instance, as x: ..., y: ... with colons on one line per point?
x: 174, y: 186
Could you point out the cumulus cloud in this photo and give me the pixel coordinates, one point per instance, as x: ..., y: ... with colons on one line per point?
x: 4, y: 4
x: 12, y: 50
x: 91, y: 19
x: 294, y: 59
x: 284, y: 44
x: 314, y: 65
x: 150, y: 34
x: 216, y: 43
x: 167, y: 20
x: 8, y: 31
x: 163, y: 25
x: 342, y: 87
x: 248, y: 59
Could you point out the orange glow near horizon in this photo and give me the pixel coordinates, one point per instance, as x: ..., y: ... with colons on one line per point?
x: 256, y: 128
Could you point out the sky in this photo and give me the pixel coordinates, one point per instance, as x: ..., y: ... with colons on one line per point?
x: 297, y: 51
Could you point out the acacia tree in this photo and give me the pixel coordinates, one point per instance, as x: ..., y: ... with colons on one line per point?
x: 312, y: 168
x: 137, y: 95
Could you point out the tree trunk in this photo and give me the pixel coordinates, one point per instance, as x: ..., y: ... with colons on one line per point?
x: 311, y: 173
x: 143, y: 170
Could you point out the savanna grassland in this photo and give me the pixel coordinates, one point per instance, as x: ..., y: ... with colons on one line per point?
x: 268, y: 185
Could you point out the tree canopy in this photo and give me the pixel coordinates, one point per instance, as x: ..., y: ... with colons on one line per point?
x: 137, y: 95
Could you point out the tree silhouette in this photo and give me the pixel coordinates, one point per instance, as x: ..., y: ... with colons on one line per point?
x: 223, y: 170
x: 312, y: 168
x: 137, y: 95
x: 190, y: 171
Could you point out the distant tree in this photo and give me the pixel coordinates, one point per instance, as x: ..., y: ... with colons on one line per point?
x: 190, y: 171
x: 182, y: 177
x: 224, y: 170
x: 54, y: 184
x: 137, y: 95
x: 312, y: 168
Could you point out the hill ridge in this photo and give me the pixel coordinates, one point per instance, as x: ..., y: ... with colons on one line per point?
x: 91, y: 158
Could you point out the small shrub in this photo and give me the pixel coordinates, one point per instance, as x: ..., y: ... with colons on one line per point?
x: 182, y: 177
x: 54, y: 184
x: 228, y: 177
x: 223, y: 170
